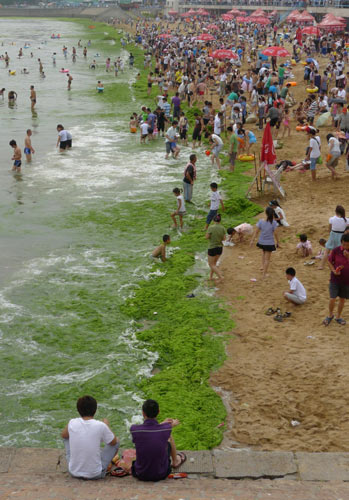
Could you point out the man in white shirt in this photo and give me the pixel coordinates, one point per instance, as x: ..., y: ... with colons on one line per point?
x: 297, y: 294
x: 313, y: 150
x: 217, y: 126
x: 82, y: 439
x: 171, y: 141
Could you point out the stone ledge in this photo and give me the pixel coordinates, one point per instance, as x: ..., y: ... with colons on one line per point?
x: 241, y: 464
x: 220, y: 464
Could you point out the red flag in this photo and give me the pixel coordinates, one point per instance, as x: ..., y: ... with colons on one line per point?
x: 268, y: 152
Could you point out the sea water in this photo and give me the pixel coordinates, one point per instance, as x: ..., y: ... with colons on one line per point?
x: 76, y: 232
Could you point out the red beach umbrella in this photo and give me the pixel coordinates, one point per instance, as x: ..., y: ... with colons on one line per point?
x: 234, y: 12
x: 224, y: 54
x: 205, y: 37
x: 203, y: 12
x: 165, y: 35
x: 173, y: 12
x: 276, y: 52
x: 268, y: 155
x: 227, y: 17
x: 212, y: 27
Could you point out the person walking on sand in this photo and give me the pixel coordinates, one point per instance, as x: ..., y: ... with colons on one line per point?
x: 337, y: 226
x: 216, y: 235
x: 267, y: 230
x: 189, y: 178
x: 32, y: 97
x: 338, y: 262
x: 314, y: 152
x: 28, y: 148
x: 17, y: 157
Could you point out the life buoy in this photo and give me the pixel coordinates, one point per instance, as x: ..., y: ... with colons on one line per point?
x: 293, y: 84
x: 64, y: 70
x: 312, y: 91
x: 100, y: 89
x: 301, y: 128
x: 13, y: 72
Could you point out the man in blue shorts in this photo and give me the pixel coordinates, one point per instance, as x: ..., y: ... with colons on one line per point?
x: 154, y: 445
x: 28, y: 148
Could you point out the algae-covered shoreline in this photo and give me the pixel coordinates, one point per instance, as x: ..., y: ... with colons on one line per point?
x: 187, y: 333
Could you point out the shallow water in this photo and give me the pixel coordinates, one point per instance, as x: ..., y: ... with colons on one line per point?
x: 76, y: 232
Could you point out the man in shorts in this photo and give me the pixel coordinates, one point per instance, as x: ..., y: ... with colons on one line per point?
x: 171, y: 137
x: 215, y: 201
x: 217, y: 145
x: 144, y: 131
x: 233, y: 147
x: 28, y: 148
x: 17, y: 157
x: 32, y: 97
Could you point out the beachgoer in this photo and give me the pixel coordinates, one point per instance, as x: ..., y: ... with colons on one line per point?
x: 216, y: 235
x: 32, y: 96
x: 267, y: 237
x: 82, y: 438
x: 314, y: 151
x: 217, y: 145
x: 62, y: 138
x: 338, y: 262
x: 189, y: 178
x: 334, y: 153
x: 28, y: 148
x: 233, y: 147
x: 17, y: 157
x: 279, y: 216
x: 241, y: 231
x: 215, y: 201
x: 180, y: 211
x: 154, y: 445
x: 160, y: 251
x: 171, y: 137
x: 70, y: 79
x: 297, y: 294
x: 304, y: 246
x: 337, y: 225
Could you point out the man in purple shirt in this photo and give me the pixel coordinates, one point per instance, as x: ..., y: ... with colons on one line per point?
x: 176, y: 103
x: 154, y: 445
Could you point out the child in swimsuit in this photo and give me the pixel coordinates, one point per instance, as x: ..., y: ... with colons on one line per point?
x: 17, y: 157
x: 286, y: 123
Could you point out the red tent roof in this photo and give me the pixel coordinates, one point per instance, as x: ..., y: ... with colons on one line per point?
x: 258, y: 13
x: 305, y: 16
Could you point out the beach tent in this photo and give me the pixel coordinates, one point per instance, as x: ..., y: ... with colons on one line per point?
x: 305, y: 17
x: 332, y: 25
x: 293, y: 16
x: 258, y: 13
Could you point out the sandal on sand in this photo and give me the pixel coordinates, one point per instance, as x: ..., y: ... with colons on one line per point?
x: 119, y: 472
x: 287, y: 314
x: 279, y: 318
x: 270, y: 311
x: 341, y: 321
x: 327, y: 320
x: 182, y: 457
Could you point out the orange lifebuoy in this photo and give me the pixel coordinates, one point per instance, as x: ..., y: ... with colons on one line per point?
x: 301, y: 128
x: 293, y: 84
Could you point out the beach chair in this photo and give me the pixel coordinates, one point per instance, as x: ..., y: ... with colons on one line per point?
x: 268, y: 181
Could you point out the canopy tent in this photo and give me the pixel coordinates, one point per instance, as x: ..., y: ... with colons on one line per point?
x: 305, y: 17
x: 311, y: 30
x: 260, y: 20
x: 332, y: 25
x: 258, y: 13
x: 293, y: 16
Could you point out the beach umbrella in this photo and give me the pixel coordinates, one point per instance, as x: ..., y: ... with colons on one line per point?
x: 224, y: 54
x: 294, y: 14
x: 268, y: 156
x: 164, y: 35
x: 173, y: 12
x: 212, y: 27
x: 276, y: 52
x: 227, y: 17
x: 311, y: 30
x: 205, y: 37
x: 260, y: 20
x: 273, y: 13
x: 191, y: 12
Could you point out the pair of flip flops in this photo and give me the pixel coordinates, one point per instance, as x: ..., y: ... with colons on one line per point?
x: 182, y: 457
x: 278, y: 314
x: 328, y: 320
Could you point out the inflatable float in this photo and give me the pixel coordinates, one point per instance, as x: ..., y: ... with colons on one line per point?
x: 13, y: 72
x: 246, y: 157
x: 53, y: 36
x: 64, y: 70
x: 100, y: 89
x: 312, y: 91
x: 293, y: 84
x: 301, y: 128
x: 133, y: 130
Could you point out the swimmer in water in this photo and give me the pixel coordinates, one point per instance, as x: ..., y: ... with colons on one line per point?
x: 32, y: 97
x: 12, y: 97
x: 28, y: 148
x: 17, y: 157
x: 25, y: 71
x: 93, y: 64
x: 160, y: 251
x: 54, y: 56
x: 20, y: 53
x: 41, y: 68
x: 2, y: 92
x: 70, y: 79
